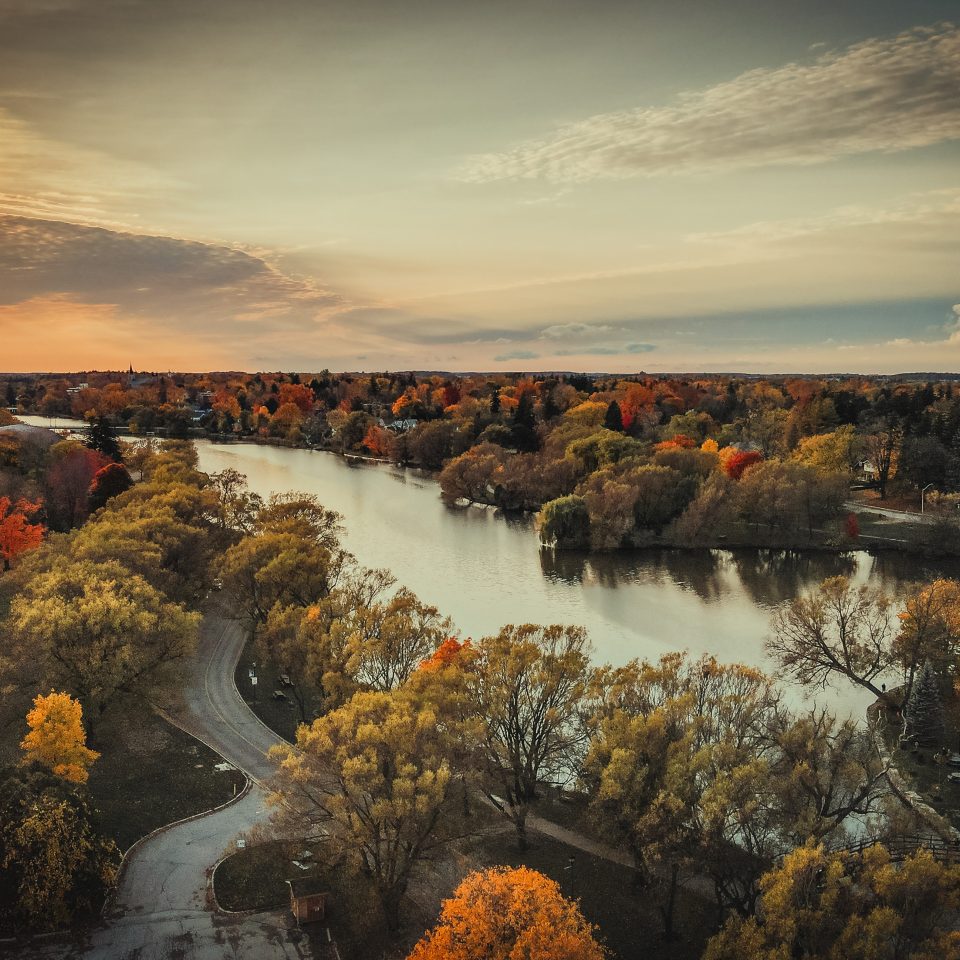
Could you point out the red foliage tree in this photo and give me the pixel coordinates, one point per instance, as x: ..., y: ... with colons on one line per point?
x: 68, y: 485
x: 852, y: 526
x: 108, y: 482
x: 17, y: 533
x: 738, y: 463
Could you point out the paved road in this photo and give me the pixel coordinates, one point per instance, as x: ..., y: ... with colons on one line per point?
x: 162, y: 908
x: 901, y: 516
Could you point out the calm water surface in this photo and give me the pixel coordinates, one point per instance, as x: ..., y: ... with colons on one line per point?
x: 485, y: 570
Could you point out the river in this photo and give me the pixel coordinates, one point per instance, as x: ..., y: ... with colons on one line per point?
x: 485, y: 570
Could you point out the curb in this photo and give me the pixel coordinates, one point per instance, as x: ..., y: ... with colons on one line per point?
x: 212, y: 893
x: 247, y: 786
x: 67, y: 934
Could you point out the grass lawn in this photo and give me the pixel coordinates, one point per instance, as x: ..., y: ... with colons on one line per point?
x: 255, y: 879
x: 627, y: 919
x: 151, y: 773
x: 281, y: 716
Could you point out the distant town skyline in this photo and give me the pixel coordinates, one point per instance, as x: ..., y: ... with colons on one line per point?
x: 600, y: 186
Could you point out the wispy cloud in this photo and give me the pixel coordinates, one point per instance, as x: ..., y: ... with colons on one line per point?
x: 606, y: 351
x: 516, y: 355
x: 882, y: 95
x: 50, y: 178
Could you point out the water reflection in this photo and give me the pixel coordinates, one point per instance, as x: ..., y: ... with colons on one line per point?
x: 768, y: 577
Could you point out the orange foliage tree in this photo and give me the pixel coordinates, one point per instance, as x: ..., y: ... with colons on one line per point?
x: 446, y: 655
x: 17, y: 533
x: 378, y: 441
x: 678, y: 441
x: 509, y: 914
x: 56, y: 738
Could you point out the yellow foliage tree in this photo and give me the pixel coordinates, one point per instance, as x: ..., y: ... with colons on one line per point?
x: 56, y: 738
x: 509, y: 914
x: 823, y: 906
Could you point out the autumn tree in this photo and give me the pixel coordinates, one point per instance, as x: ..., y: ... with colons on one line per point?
x: 527, y: 685
x: 238, y: 507
x: 108, y: 482
x: 839, y: 630
x: 375, y: 776
x: 54, y: 867
x: 387, y: 641
x: 99, y: 631
x: 67, y: 483
x: 929, y: 630
x: 56, y: 738
x: 882, y: 442
x: 18, y: 533
x: 825, y: 773
x: 312, y: 644
x: 823, y: 906
x: 507, y: 914
x: 278, y: 567
x: 675, y: 774
x: 737, y: 463
x: 301, y: 514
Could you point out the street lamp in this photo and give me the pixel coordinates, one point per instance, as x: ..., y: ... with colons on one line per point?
x: 922, y: 492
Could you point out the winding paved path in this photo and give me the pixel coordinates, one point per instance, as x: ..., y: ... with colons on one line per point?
x: 162, y: 908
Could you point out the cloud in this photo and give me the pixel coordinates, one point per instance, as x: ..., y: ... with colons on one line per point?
x: 179, y: 296
x: 881, y: 95
x: 59, y: 180
x: 613, y: 351
x: 560, y: 330
x: 516, y: 355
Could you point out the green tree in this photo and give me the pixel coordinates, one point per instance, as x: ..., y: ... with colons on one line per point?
x: 565, y: 523
x: 613, y: 419
x: 103, y: 439
x: 924, y: 715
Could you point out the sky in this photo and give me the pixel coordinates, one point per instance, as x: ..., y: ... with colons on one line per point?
x: 656, y: 185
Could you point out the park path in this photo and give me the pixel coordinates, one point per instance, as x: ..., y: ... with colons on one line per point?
x: 162, y: 908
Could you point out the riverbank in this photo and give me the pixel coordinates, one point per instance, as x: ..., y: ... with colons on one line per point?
x: 876, y: 530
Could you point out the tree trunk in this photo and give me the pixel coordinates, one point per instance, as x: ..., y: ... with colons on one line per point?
x: 520, y: 822
x: 666, y: 909
x: 390, y: 900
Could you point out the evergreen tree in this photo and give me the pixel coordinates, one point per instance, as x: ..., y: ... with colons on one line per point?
x: 613, y: 420
x: 103, y: 439
x: 924, y: 717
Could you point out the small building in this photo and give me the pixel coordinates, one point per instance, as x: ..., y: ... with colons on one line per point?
x: 308, y: 899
